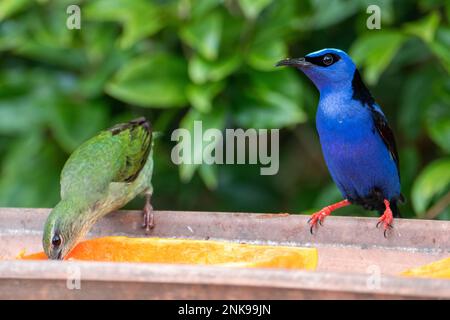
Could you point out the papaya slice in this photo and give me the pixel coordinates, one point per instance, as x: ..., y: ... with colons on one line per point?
x: 439, y: 269
x: 184, y: 251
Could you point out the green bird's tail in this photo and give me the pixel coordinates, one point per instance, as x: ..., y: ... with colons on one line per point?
x: 137, y: 134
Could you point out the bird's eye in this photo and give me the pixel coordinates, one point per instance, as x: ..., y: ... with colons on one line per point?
x: 56, y: 240
x: 328, y: 59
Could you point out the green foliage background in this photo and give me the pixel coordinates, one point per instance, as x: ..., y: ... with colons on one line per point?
x: 211, y: 60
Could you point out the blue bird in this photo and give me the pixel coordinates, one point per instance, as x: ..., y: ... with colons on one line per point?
x: 357, y: 143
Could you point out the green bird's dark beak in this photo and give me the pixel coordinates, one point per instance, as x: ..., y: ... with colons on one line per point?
x: 56, y: 255
x: 296, y: 62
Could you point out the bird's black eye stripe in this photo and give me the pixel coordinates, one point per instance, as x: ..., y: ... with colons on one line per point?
x: 324, y: 60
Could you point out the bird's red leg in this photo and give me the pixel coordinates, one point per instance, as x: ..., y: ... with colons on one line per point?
x: 386, y: 219
x: 320, y: 215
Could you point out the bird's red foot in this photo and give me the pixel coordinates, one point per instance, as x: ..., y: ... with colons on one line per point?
x: 386, y: 219
x: 319, y: 216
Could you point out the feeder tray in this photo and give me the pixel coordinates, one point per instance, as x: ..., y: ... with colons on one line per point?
x: 355, y: 260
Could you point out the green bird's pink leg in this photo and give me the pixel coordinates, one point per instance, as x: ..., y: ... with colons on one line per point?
x: 149, y: 222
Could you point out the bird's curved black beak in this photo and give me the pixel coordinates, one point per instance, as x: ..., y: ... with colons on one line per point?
x: 295, y: 62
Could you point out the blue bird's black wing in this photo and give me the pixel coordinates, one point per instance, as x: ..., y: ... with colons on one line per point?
x: 387, y: 135
x: 362, y: 94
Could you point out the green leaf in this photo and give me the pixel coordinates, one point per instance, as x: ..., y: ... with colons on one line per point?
x: 26, y: 96
x: 326, y: 13
x: 157, y: 80
x: 201, y: 96
x: 271, y: 100
x: 19, y: 115
x: 95, y: 78
x: 264, y: 55
x: 409, y: 167
x: 214, y: 119
x: 10, y: 7
x: 198, y: 8
x: 441, y: 47
x: 201, y: 71
x: 140, y: 18
x: 44, y: 37
x: 208, y: 173
x: 447, y: 6
x: 414, y: 97
x: 424, y: 28
x: 438, y: 124
x: 30, y: 173
x: 252, y: 8
x: 375, y: 51
x: 99, y: 42
x: 204, y: 35
x: 74, y: 123
x: 433, y: 181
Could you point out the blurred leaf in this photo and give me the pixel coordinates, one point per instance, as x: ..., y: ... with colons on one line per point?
x: 10, y: 7
x: 375, y: 51
x: 26, y: 96
x: 271, y: 100
x: 204, y: 35
x: 74, y: 123
x: 252, y: 8
x: 19, y: 115
x: 30, y: 173
x: 104, y: 58
x: 438, y: 125
x: 327, y: 13
x: 55, y: 56
x: 140, y: 18
x: 447, y: 6
x: 209, y: 176
x: 99, y: 42
x: 414, y: 98
x: 158, y: 80
x: 11, y: 34
x: 200, y: 8
x: 409, y: 165
x: 45, y: 38
x: 280, y: 21
x: 433, y: 181
x: 441, y: 47
x: 214, y: 119
x: 201, y: 96
x: 201, y: 71
x: 264, y: 55
x: 95, y: 79
x: 425, y: 28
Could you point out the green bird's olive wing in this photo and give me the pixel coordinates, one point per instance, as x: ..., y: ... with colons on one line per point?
x: 138, y: 137
x: 114, y: 155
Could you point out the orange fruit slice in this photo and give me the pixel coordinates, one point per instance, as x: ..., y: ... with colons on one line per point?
x: 439, y: 269
x: 183, y: 251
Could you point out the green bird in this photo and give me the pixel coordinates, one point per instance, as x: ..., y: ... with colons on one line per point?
x: 101, y: 175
